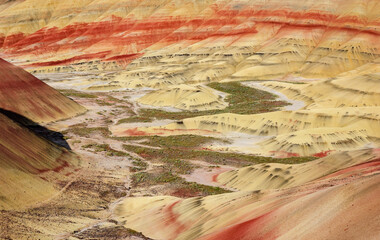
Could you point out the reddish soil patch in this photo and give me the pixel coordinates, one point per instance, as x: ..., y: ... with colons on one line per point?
x: 56, y: 169
x: 144, y: 155
x: 245, y: 230
x: 135, y: 132
x: 185, y: 193
x: 368, y: 167
x: 214, y: 177
x: 322, y: 154
x: 283, y: 154
x: 172, y: 219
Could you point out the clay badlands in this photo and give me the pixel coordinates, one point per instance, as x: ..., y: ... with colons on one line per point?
x: 201, y: 119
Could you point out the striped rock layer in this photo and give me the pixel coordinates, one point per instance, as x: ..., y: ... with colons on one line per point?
x: 213, y: 39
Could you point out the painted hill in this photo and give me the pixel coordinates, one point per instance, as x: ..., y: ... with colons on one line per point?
x: 22, y: 93
x: 292, y: 133
x: 162, y: 44
x: 341, y: 205
x: 253, y: 39
x: 31, y: 168
x: 330, y: 46
x: 324, y: 54
x: 281, y: 176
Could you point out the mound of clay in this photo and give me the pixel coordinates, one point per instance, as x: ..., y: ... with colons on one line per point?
x: 185, y: 97
x: 304, y: 132
x: 316, y: 142
x: 32, y: 169
x: 361, y: 85
x: 344, y: 204
x: 139, y: 77
x: 24, y: 94
x: 278, y: 176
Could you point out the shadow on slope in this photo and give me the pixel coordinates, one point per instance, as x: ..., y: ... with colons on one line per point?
x: 41, y: 131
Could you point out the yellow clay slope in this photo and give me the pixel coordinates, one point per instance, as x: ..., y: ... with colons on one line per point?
x: 304, y: 132
x: 340, y: 205
x: 316, y: 141
x: 31, y: 168
x: 356, y: 88
x: 185, y: 97
x: 278, y: 176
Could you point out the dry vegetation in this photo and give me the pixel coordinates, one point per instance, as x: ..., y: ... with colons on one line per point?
x: 189, y: 147
x: 241, y: 100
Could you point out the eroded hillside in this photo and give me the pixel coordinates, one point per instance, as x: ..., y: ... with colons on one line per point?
x: 212, y: 119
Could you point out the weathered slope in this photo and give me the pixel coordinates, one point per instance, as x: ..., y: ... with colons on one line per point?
x: 361, y: 85
x: 22, y: 93
x: 279, y: 176
x: 31, y: 168
x: 210, y: 40
x: 343, y: 205
x: 193, y: 98
x: 303, y: 132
